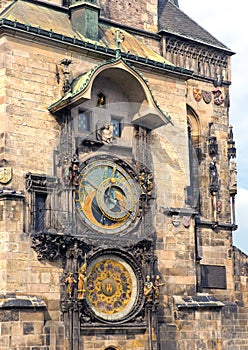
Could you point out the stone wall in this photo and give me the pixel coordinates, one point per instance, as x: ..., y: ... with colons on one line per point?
x: 138, y: 13
x: 28, y: 137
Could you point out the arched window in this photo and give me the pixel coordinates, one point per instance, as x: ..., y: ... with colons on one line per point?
x: 194, y: 158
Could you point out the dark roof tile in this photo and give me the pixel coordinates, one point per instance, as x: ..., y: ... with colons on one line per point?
x: 175, y: 21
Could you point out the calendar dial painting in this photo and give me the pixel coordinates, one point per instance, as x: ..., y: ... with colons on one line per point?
x: 111, y: 288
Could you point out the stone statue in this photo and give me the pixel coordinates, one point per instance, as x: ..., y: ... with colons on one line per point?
x: 214, y: 177
x: 70, y: 281
x: 148, y: 288
x: 81, y: 281
x: 156, y: 287
x: 106, y: 133
x: 233, y: 178
x: 74, y: 170
x: 101, y: 100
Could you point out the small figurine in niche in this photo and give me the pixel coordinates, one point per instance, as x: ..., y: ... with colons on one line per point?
x: 75, y: 170
x: 146, y: 182
x: 101, y: 102
x: 156, y: 287
x: 214, y: 177
x: 148, y: 288
x: 70, y: 281
x: 66, y: 171
x: 81, y: 281
x: 106, y: 133
x: 233, y: 177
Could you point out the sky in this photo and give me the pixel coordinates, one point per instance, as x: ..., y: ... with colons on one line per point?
x: 227, y: 21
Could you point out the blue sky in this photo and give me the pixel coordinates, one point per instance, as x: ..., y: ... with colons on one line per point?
x: 227, y: 21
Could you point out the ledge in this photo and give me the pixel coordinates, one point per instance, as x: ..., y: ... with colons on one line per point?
x: 197, y: 302
x: 9, y: 193
x: 179, y: 211
x: 21, y: 302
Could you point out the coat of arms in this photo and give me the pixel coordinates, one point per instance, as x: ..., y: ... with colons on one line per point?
x: 5, y: 175
x: 186, y: 221
x: 218, y: 98
x: 207, y: 96
x: 197, y: 93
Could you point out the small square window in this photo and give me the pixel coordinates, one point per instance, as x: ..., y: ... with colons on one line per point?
x: 116, y: 122
x: 84, y: 121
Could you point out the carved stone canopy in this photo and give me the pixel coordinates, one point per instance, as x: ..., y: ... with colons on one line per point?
x: 147, y: 114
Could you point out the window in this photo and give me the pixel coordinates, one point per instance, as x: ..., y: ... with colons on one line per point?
x: 40, y: 211
x: 84, y: 121
x: 116, y: 122
x: 40, y: 214
x: 194, y: 159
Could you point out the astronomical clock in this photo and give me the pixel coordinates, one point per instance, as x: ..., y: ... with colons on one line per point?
x: 103, y: 196
x: 113, y: 251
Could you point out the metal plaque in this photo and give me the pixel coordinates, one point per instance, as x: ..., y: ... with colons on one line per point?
x: 213, y: 276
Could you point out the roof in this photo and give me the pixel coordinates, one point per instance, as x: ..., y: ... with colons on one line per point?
x: 56, y: 20
x: 175, y: 21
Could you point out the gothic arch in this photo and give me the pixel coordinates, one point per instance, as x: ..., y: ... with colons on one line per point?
x: 194, y: 125
x: 112, y: 347
x: 194, y: 151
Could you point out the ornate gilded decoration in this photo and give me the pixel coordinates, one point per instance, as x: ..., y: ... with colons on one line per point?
x: 111, y: 287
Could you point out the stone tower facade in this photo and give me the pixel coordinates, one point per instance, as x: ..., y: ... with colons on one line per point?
x: 118, y: 181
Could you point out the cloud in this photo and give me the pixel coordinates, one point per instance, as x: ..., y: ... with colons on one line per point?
x: 240, y: 236
x: 227, y: 21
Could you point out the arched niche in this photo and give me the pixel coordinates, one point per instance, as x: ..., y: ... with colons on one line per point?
x: 134, y: 88
x: 193, y: 126
x: 194, y: 152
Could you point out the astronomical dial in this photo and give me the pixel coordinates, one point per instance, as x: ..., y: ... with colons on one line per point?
x: 107, y: 197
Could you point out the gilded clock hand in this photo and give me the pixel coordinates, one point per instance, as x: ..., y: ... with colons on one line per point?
x: 112, y: 178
